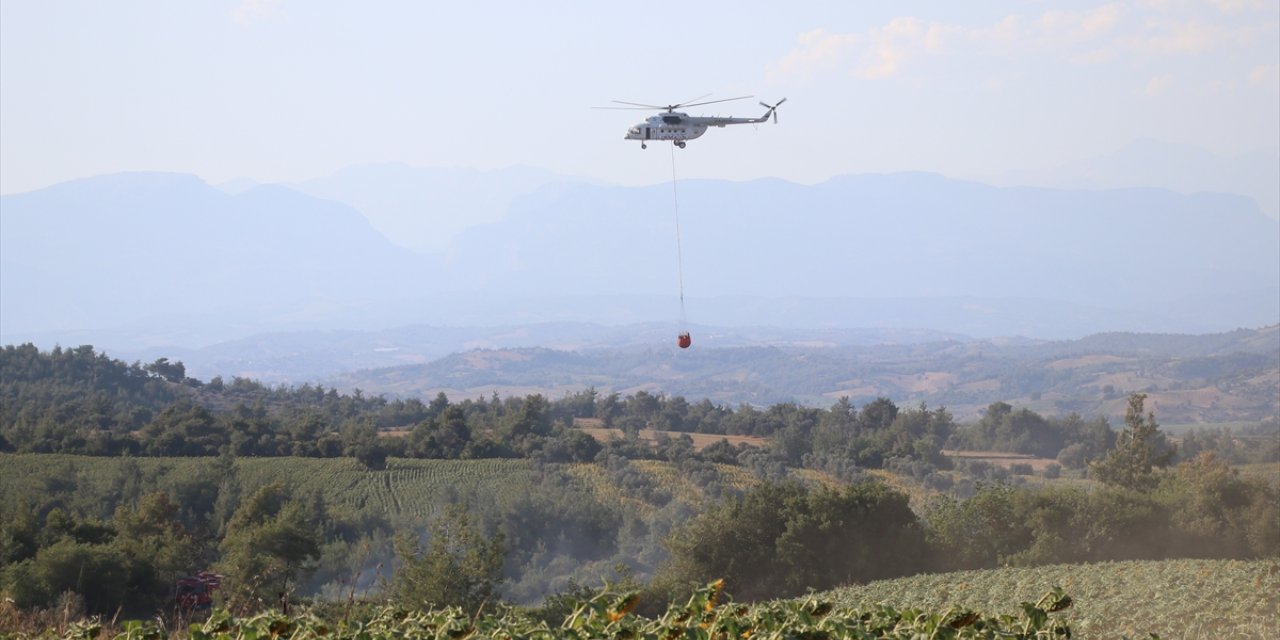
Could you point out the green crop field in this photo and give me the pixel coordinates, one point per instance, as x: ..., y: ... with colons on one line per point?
x: 414, y: 488
x: 1172, y: 598
x: 406, y: 488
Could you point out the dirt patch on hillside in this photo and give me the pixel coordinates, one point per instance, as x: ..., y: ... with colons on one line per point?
x: 925, y: 382
x: 1085, y: 361
x: 591, y: 427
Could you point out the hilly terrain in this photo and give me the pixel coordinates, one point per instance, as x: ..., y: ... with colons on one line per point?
x: 906, y: 235
x: 1178, y: 167
x: 1189, y: 379
x: 164, y: 251
x: 426, y: 208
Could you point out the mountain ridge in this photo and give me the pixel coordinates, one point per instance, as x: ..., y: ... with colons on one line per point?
x: 150, y: 255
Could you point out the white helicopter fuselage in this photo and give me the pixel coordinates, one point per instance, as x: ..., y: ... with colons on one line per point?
x: 667, y: 126
x: 679, y: 127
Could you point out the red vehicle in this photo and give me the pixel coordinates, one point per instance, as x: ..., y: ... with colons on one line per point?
x: 196, y: 592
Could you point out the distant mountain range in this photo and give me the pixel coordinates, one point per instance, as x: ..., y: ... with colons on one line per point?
x: 1182, y: 168
x: 134, y: 249
x: 139, y: 260
x: 427, y: 208
x: 904, y: 235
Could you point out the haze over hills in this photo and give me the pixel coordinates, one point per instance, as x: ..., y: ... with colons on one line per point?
x: 1182, y: 168
x: 1208, y: 378
x: 131, y: 261
x: 426, y: 208
x: 132, y: 249
x: 905, y: 235
x: 1228, y: 376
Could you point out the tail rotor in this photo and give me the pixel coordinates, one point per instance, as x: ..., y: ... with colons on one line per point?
x: 773, y: 109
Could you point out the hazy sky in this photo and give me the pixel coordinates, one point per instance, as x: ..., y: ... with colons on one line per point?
x: 280, y: 90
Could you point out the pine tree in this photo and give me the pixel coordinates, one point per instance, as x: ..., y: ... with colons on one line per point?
x: 1139, y: 450
x: 459, y: 567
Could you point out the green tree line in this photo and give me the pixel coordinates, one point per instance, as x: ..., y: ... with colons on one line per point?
x: 82, y: 402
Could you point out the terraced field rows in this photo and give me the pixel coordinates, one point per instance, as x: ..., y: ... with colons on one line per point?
x: 413, y: 488
x: 407, y: 488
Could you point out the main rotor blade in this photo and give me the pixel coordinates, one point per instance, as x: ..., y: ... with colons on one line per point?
x: 630, y: 108
x: 687, y: 102
x: 698, y: 104
x: 637, y: 104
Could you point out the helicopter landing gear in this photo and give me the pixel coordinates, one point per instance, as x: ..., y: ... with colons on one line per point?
x: 680, y: 143
x: 644, y: 146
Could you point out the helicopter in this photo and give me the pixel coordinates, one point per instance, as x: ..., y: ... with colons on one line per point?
x: 680, y: 127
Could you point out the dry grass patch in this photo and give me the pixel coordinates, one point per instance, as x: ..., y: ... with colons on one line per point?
x: 1001, y: 458
x: 591, y: 427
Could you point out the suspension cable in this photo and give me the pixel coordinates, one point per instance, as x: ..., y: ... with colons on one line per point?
x: 675, y: 199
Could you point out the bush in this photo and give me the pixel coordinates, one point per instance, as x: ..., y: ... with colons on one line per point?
x: 781, y: 539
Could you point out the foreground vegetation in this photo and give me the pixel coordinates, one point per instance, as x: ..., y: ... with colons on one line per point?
x: 1189, y: 599
x: 706, y: 614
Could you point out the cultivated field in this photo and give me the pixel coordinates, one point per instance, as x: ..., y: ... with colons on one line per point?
x: 408, y: 489
x: 1211, y: 599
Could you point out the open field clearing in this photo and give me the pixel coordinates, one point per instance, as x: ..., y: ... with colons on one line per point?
x: 1001, y: 458
x: 590, y: 426
x: 1210, y: 599
x: 1268, y: 471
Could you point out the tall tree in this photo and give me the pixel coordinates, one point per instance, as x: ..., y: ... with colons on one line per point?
x: 459, y: 566
x: 271, y: 540
x: 1140, y: 449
